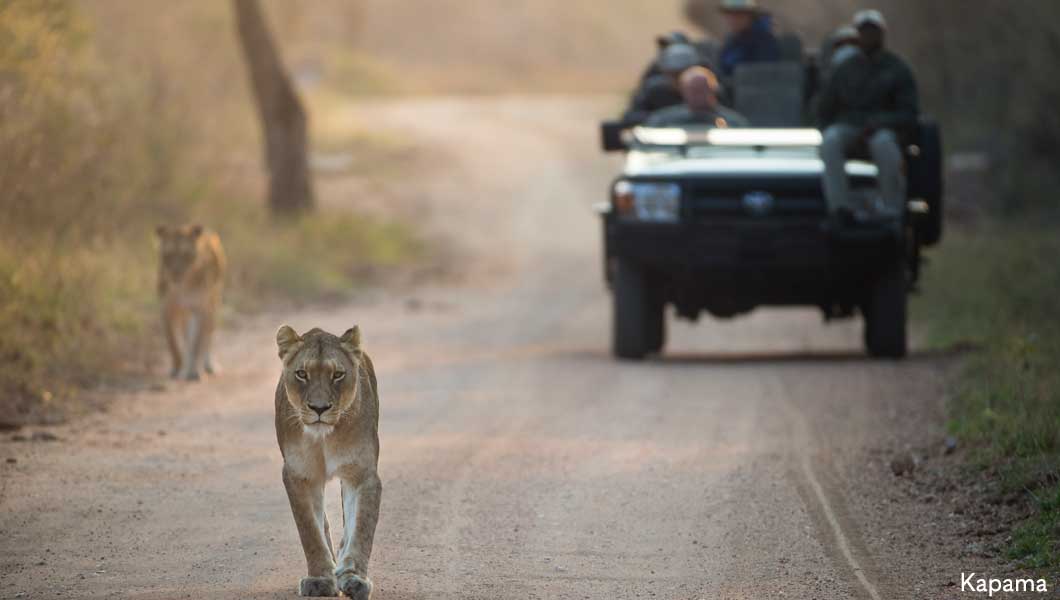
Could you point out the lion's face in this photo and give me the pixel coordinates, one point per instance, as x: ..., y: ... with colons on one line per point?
x: 320, y: 374
x: 179, y: 247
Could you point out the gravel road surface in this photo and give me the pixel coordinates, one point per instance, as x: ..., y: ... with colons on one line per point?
x: 518, y: 459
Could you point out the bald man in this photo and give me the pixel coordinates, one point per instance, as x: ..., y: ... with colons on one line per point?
x: 699, y: 90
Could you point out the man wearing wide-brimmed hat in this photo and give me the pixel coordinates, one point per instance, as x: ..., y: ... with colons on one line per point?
x: 750, y: 37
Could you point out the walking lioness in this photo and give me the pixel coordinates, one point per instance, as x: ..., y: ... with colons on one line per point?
x: 327, y: 424
x: 190, y: 277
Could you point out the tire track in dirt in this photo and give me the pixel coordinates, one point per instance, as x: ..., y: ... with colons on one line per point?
x: 820, y: 492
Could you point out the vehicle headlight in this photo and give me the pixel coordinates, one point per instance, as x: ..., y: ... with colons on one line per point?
x: 647, y: 202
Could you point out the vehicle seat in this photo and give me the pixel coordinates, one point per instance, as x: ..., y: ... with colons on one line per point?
x: 769, y: 94
x: 709, y: 51
x: 790, y: 47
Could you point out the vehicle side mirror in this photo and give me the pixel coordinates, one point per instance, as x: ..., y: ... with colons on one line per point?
x: 611, y: 137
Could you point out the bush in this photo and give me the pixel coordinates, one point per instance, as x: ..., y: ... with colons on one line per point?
x: 93, y: 155
x: 997, y: 287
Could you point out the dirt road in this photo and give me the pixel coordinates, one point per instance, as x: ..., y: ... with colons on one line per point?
x: 518, y: 459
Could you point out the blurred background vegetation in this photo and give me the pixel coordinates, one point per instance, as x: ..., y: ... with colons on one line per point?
x: 116, y: 117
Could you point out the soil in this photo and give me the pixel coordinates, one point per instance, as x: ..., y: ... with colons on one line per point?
x: 755, y: 459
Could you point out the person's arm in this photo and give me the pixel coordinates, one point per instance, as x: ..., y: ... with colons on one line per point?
x: 638, y: 110
x: 659, y: 118
x: 728, y: 57
x: 650, y: 71
x: 906, y: 107
x: 828, y: 103
x: 736, y: 120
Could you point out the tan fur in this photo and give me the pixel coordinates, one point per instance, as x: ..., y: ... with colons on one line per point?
x: 327, y: 425
x: 190, y: 279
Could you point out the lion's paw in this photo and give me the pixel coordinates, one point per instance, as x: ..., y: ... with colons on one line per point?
x: 211, y: 366
x: 355, y: 586
x: 317, y: 586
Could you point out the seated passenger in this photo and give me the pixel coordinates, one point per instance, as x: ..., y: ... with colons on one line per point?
x: 870, y: 102
x: 845, y: 44
x: 662, y: 42
x: 699, y: 89
x: 750, y: 36
x: 659, y: 90
x: 669, y: 39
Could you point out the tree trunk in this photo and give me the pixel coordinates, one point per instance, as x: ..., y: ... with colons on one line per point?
x: 283, y: 119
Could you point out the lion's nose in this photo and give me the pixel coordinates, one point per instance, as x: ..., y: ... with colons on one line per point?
x: 319, y: 410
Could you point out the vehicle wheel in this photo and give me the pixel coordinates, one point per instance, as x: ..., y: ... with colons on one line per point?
x: 629, y: 327
x: 885, y: 313
x: 655, y: 320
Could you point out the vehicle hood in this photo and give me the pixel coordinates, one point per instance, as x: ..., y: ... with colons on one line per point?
x: 714, y: 162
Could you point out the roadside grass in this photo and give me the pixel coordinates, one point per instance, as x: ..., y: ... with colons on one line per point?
x: 997, y: 287
x: 82, y: 311
x: 93, y: 156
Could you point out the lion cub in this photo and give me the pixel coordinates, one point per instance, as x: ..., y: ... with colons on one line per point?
x: 327, y: 425
x: 190, y: 278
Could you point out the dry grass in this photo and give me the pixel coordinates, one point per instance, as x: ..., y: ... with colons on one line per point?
x: 98, y: 144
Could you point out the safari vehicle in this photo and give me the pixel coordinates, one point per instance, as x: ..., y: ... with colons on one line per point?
x: 726, y: 220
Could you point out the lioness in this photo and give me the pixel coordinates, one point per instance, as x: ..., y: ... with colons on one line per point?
x: 190, y: 277
x: 327, y: 424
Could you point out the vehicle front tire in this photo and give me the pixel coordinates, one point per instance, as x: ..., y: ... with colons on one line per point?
x: 629, y: 327
x: 655, y: 319
x: 885, y: 313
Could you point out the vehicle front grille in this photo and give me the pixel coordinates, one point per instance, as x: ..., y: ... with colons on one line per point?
x: 716, y: 205
x: 724, y: 197
x: 708, y: 204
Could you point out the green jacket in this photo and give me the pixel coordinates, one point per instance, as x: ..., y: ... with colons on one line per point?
x: 875, y: 91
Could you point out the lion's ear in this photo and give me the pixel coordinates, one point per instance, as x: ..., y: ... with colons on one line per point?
x: 351, y: 340
x: 287, y: 340
x: 162, y: 231
x: 196, y: 230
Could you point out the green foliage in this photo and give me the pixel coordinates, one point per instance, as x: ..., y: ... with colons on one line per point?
x: 1036, y: 543
x: 312, y: 257
x: 997, y: 288
x: 1000, y: 101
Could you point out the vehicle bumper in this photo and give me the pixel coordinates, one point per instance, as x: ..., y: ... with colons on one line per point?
x: 722, y: 245
x: 795, y: 262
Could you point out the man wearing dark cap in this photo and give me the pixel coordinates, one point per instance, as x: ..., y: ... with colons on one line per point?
x: 674, y: 37
x: 699, y: 90
x: 870, y: 102
x: 846, y: 43
x: 659, y: 89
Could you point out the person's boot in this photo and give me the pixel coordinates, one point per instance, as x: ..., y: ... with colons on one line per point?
x: 892, y: 221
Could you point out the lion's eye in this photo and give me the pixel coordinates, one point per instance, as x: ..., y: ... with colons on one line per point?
x: 301, y: 374
x: 338, y: 375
